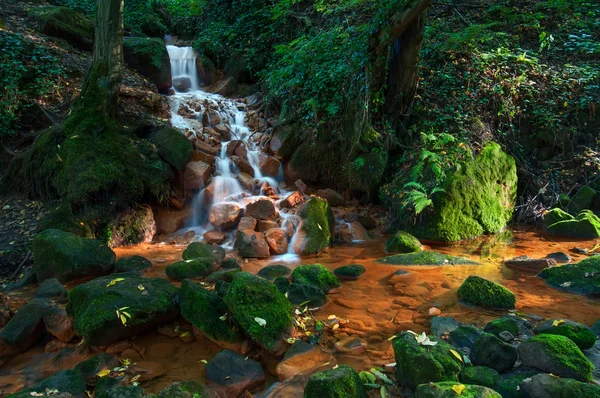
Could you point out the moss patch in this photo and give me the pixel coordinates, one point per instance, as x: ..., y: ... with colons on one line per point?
x: 445, y: 390
x: 172, y: 146
x: 582, y: 278
x: 485, y: 293
x: 318, y: 224
x: 556, y: 215
x: 64, y: 23
x: 349, y: 272
x: 196, y: 268
x: 150, y: 58
x: 403, y: 242
x: 586, y: 226
x: 316, y: 275
x: 426, y: 257
x: 132, y: 264
x: 66, y: 381
x: 271, y: 272
x: 576, y: 332
x: 480, y: 375
x: 201, y: 250
x: 504, y: 324
x: 342, y: 382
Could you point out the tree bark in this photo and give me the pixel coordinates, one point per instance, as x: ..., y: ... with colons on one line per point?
x: 101, y: 86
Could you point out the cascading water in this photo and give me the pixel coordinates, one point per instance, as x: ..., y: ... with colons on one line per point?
x: 199, y: 113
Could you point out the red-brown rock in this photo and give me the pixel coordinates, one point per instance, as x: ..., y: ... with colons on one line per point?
x: 59, y: 324
x: 251, y: 244
x: 262, y: 209
x: 247, y: 224
x: 197, y: 175
x: 269, y: 166
x: 333, y: 197
x: 293, y: 200
x: 277, y: 240
x: 225, y: 216
x: 214, y: 237
x: 265, y: 225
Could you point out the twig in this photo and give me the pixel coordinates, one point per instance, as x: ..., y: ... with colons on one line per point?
x: 20, y: 266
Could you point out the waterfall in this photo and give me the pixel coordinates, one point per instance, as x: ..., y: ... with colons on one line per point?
x: 183, y: 65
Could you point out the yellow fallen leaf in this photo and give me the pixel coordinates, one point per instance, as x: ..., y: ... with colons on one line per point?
x: 123, y: 319
x: 457, y: 355
x: 336, y: 326
x: 103, y: 373
x: 114, y: 281
x: 204, y: 361
x: 558, y: 322
x: 184, y: 334
x: 458, y: 388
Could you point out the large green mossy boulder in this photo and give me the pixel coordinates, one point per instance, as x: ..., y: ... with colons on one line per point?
x: 173, y: 146
x: 578, y: 333
x: 342, y: 382
x: 448, y: 389
x: 23, y: 329
x: 317, y: 229
x: 262, y: 311
x: 195, y: 268
x: 484, y: 293
x: 556, y: 354
x: 480, y: 376
x: 184, y: 389
x: 316, y: 275
x: 148, y: 302
x: 150, y: 58
x: 545, y: 385
x: 585, y: 226
x: 349, y: 272
x: 426, y: 257
x: 582, y: 278
x: 478, y: 199
x: 66, y: 381
x: 65, y: 23
x: 205, y: 309
x: 417, y: 364
x: 403, y: 242
x: 65, y: 256
x: 494, y: 353
x: 201, y: 250
x: 556, y: 215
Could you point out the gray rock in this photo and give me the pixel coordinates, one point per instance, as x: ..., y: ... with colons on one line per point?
x: 548, y: 386
x: 52, y: 289
x: 233, y: 373
x: 492, y: 352
x: 443, y: 325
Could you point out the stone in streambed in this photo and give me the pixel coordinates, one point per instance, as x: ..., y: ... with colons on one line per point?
x: 59, y: 324
x: 480, y: 376
x: 426, y: 257
x: 282, y: 284
x: 269, y: 166
x: 182, y: 83
x: 306, y: 295
x: 265, y: 225
x: 195, y: 268
x: 403, y: 242
x: 578, y: 333
x: 508, y: 385
x: 317, y: 229
x: 262, y: 209
x: 349, y: 272
x: 545, y: 385
x: 93, y: 306
x: 277, y: 240
x: 184, y: 389
x: 68, y: 382
x: 132, y: 264
x: 504, y: 324
x: 464, y: 336
x: 234, y: 374
x: 482, y: 292
x: 527, y: 264
x: 316, y: 275
x: 202, y: 250
x: 585, y: 226
x: 214, y: 237
x: 447, y: 390
x: 342, y: 382
x: 65, y: 256
x: 582, y: 277
x: 270, y: 272
x: 331, y: 196
x: 494, y: 353
x: 92, y: 366
x: 51, y: 289
x: 292, y: 200
x: 23, y: 329
x: 251, y: 244
x: 225, y: 216
x: 443, y: 325
x: 302, y: 358
x: 556, y: 215
x: 247, y: 223
x: 221, y: 288
x: 222, y: 275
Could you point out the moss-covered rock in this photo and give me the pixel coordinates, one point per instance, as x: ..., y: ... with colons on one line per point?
x: 585, y: 226
x: 132, y: 264
x: 184, y: 389
x: 51, y: 289
x: 316, y: 275
x: 582, y: 278
x: 447, y: 389
x: 417, y: 364
x: 545, y: 385
x: 403, y: 242
x: 425, y: 258
x: 131, y: 227
x: 90, y: 367
x: 494, y: 353
x: 93, y: 306
x: 504, y: 324
x: 150, y: 58
x: 252, y: 299
x: 578, y: 333
x: 173, y: 146
x: 271, y: 272
x: 349, y: 272
x: 508, y: 385
x: 482, y: 292
x: 64, y: 256
x: 221, y: 288
x: 66, y: 381
x: 196, y: 268
x: 200, y: 250
x: 65, y: 23
x: 464, y: 336
x: 556, y: 354
x: 222, y: 275
x: 556, y: 215
x: 122, y: 392
x: 480, y: 376
x: 282, y: 284
x: 63, y: 218
x: 317, y: 229
x: 23, y: 329
x: 478, y: 199
x: 342, y: 382
x: 582, y: 200
x: 306, y: 295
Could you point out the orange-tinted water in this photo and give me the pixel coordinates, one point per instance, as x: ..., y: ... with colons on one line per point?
x: 377, y: 306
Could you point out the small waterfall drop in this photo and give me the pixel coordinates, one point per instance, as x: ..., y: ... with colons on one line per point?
x: 183, y: 65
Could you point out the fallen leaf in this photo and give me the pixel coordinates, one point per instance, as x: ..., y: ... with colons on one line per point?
x: 115, y: 281
x: 103, y: 373
x: 458, y: 388
x: 558, y: 322
x: 204, y: 361
x: 260, y: 321
x: 457, y: 355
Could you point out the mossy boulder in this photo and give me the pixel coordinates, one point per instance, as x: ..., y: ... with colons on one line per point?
x: 149, y: 302
x: 447, y: 390
x: 504, y: 324
x: 184, y: 389
x: 480, y: 376
x: 417, y: 364
x: 581, y: 278
x: 464, y: 336
x: 403, y: 242
x: 65, y: 23
x: 494, y: 353
x: 578, y: 333
x: 545, y: 385
x: 484, y: 293
x: 222, y: 275
x: 425, y: 258
x: 132, y: 264
x: 316, y: 275
x: 306, y: 295
x: 131, y: 227
x: 317, y: 229
x: 204, y: 310
x: 122, y: 392
x: 63, y: 218
x: 556, y: 215
x: 173, y: 147
x: 585, y: 226
x: 508, y: 385
x: 66, y: 381
x: 221, y: 288
x: 349, y: 272
x: 51, y: 289
x: 200, y: 250
x: 478, y: 199
x: 196, y: 268
x: 282, y: 284
x: 150, y: 58
x: 582, y: 200
x: 556, y: 354
x: 252, y: 299
x: 342, y: 382
x: 65, y: 256
x: 271, y: 272
x: 23, y: 329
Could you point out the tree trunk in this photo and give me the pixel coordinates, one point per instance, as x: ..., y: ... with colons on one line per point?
x: 101, y: 87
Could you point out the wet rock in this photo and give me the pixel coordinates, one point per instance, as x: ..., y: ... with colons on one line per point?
x: 269, y: 166
x: 336, y: 383
x: 59, y: 324
x: 204, y: 310
x: 203, y: 250
x: 343, y: 235
x: 482, y: 292
x: 203, y: 157
x: 504, y: 324
x: 262, y: 209
x: 582, y: 278
x: 194, y: 268
x: 222, y: 275
x: 578, y: 333
x: 67, y: 382
x: 234, y: 374
x: 243, y: 165
x: 169, y: 220
x: 265, y: 225
x: 268, y: 190
x: 508, y: 386
x: 237, y: 148
x: 270, y: 272
x: 403, y: 242
x: 480, y: 376
x: 359, y: 233
x: 560, y: 257
x: 292, y: 200
x: 302, y: 358
x: 277, y: 240
x: 132, y: 226
x: 316, y: 275
x: 250, y: 244
x: 300, y: 185
x: 545, y: 385
x: 150, y: 58
x: 172, y: 146
x: 528, y: 264
x: 367, y: 221
x: 132, y: 264
x: 282, y: 284
x: 221, y: 288
x: 349, y: 272
x: 557, y: 355
x: 417, y: 364
x: 317, y: 228
x: 225, y: 216
x: 446, y: 389
x: 224, y: 131
x: 184, y: 389
x: 65, y: 23
x: 204, y: 147
x: 247, y: 224
x: 250, y: 298
x: 214, y: 237
x: 51, y: 289
x: 585, y: 226
x: 93, y: 304
x: 182, y: 84
x: 331, y: 196
x: 23, y: 329
x: 148, y: 370
x: 425, y: 258
x: 443, y: 325
x: 232, y: 260
x: 308, y: 295
x: 492, y: 352
x: 246, y: 180
x: 65, y: 256
x: 197, y: 175
x: 351, y: 345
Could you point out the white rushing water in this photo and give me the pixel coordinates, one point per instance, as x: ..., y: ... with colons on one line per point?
x: 206, y: 110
